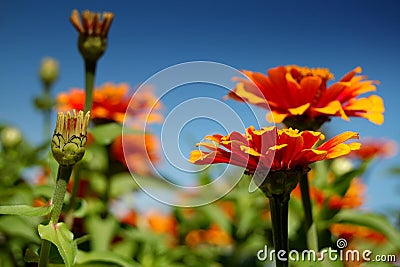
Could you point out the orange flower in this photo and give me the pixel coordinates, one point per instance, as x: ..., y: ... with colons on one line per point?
x: 315, y: 194
x: 129, y: 218
x: 375, y: 148
x: 269, y: 147
x: 162, y: 224
x: 351, y: 232
x: 139, y: 149
x: 111, y: 103
x: 353, y: 197
x: 301, y: 92
x: 228, y: 207
x: 214, y: 236
x: 40, y: 202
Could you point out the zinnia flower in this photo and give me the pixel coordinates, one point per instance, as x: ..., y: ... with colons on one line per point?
x: 111, y: 102
x: 302, y: 94
x: 351, y: 232
x: 163, y: 224
x: 353, y: 197
x: 272, y: 148
x: 213, y: 236
x: 138, y: 152
x: 372, y: 148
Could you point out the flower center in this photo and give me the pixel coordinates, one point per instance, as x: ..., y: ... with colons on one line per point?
x: 298, y: 73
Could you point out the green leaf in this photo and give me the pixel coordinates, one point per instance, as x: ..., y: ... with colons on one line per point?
x: 53, y: 164
x: 106, y: 133
x: 321, y: 171
x: 371, y: 220
x: 25, y: 210
x: 31, y: 256
x: 101, y: 231
x: 17, y: 226
x: 312, y: 238
x: 218, y: 216
x: 62, y: 238
x: 342, y: 182
x: 121, y: 184
x: 105, y: 256
x: 96, y: 158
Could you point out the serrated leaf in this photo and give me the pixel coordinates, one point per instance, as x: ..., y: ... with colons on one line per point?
x: 25, y: 210
x: 105, y: 256
x: 62, y: 238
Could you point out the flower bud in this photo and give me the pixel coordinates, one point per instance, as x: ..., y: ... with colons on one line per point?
x: 69, y: 138
x: 93, y: 31
x: 49, y: 71
x: 10, y: 137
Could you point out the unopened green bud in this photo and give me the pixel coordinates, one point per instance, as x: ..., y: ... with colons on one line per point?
x: 93, y: 33
x: 44, y: 102
x: 49, y: 71
x: 69, y: 138
x: 11, y: 137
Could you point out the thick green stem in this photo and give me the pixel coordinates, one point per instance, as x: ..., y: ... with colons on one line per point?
x: 90, y: 72
x: 279, y: 206
x: 63, y: 175
x: 308, y: 217
x: 305, y: 197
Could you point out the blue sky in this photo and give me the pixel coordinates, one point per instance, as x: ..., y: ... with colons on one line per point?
x: 148, y: 36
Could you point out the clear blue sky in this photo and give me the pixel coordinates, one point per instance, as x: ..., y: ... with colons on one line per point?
x: 148, y: 36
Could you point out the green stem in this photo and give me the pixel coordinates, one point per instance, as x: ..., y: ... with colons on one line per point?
x: 279, y: 215
x: 47, y: 112
x: 90, y: 72
x: 305, y: 197
x: 308, y: 217
x: 44, y: 253
x: 63, y: 175
x: 69, y: 216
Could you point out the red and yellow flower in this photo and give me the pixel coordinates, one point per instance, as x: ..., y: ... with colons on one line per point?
x: 293, y: 92
x: 111, y: 102
x: 372, y: 148
x: 272, y: 148
x: 351, y: 232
